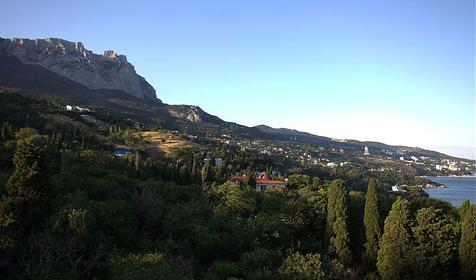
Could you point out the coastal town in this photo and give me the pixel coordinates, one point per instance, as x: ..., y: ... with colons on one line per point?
x: 333, y: 157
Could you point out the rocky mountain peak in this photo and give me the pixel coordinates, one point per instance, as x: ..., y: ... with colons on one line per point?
x: 72, y: 60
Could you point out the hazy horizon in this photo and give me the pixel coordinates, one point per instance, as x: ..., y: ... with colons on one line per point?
x: 398, y: 73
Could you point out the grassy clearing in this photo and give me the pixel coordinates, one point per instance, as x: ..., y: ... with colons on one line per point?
x: 163, y: 142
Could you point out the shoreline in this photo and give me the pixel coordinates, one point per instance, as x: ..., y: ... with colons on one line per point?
x: 450, y: 176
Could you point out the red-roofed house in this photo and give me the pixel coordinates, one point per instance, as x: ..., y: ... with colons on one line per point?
x: 263, y: 182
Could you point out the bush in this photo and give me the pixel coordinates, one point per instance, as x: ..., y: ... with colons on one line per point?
x: 302, y: 267
x: 144, y: 266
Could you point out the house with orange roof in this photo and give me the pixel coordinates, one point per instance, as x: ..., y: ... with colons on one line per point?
x: 263, y: 182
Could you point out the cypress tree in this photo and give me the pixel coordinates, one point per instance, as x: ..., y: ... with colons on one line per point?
x: 435, y: 250
x: 373, y: 231
x: 207, y: 173
x: 467, y: 245
x: 394, y: 256
x: 463, y: 209
x: 195, y: 174
x: 331, y: 215
x: 338, y: 233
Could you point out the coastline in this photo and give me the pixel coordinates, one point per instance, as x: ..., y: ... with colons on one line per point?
x: 449, y: 176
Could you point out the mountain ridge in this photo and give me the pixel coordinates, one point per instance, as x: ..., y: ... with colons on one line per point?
x: 109, y: 71
x: 33, y: 77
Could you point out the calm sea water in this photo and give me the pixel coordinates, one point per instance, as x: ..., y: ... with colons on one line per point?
x: 458, y: 189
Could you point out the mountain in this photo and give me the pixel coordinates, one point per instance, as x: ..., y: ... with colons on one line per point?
x: 66, y: 69
x: 377, y: 148
x: 108, y: 71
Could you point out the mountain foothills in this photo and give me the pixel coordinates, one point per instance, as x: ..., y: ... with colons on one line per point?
x: 99, y: 179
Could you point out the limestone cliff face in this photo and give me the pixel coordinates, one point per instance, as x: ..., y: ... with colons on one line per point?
x: 74, y: 61
x: 191, y: 114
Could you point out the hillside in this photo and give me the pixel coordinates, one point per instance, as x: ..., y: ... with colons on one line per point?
x: 17, y: 71
x: 164, y: 142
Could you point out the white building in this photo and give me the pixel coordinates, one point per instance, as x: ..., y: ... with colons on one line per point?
x: 453, y: 167
x: 397, y: 188
x: 219, y: 162
x: 366, y: 151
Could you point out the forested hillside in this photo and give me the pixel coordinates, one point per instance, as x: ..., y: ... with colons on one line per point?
x: 72, y: 209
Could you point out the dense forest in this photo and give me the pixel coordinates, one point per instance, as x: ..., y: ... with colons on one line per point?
x: 71, y: 209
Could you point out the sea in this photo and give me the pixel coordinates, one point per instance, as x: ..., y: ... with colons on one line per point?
x: 458, y: 189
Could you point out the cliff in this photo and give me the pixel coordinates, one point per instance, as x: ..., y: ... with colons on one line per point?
x: 73, y: 61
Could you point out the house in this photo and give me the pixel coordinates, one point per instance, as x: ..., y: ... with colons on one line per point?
x: 219, y: 162
x: 397, y: 188
x: 264, y: 183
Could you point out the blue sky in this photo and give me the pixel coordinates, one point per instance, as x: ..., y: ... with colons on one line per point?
x: 401, y: 72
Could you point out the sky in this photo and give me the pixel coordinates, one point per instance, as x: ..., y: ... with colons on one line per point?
x: 400, y: 72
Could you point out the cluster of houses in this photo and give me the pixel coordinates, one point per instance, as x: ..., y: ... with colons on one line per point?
x: 263, y: 182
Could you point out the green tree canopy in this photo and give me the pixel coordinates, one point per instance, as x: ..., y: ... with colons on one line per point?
x: 467, y: 245
x: 302, y: 267
x: 337, y: 230
x: 24, y: 205
x: 435, y: 248
x: 373, y: 231
x: 394, y: 258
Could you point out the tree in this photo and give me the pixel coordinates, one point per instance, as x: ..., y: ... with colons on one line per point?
x: 372, y: 225
x: 467, y: 245
x: 6, y: 131
x: 195, y: 172
x: 302, y: 267
x: 260, y: 264
x: 144, y: 266
x: 394, y: 256
x: 251, y: 179
x: 23, y: 207
x: 337, y: 231
x: 463, y: 209
x: 435, y: 245
x: 232, y: 200
x: 207, y: 173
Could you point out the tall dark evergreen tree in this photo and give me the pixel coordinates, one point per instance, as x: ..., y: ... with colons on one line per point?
x: 195, y: 173
x: 463, y: 209
x: 207, y: 173
x: 6, y: 131
x: 394, y: 258
x: 467, y: 245
x: 337, y: 230
x: 435, y: 251
x: 373, y: 231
